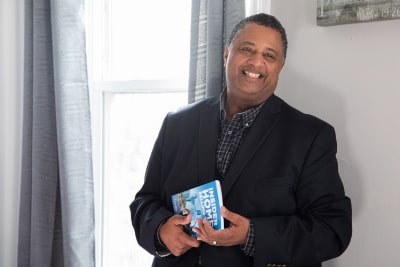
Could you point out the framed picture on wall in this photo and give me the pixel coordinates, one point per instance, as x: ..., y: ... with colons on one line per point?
x: 335, y: 12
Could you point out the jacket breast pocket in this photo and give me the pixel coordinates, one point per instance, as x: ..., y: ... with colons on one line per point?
x: 274, y: 195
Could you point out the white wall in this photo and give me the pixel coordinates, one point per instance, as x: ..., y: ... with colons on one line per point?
x: 349, y: 76
x: 10, y: 126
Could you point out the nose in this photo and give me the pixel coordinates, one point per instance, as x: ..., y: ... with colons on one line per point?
x: 256, y: 59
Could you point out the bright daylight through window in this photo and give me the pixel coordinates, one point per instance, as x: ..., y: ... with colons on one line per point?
x: 138, y: 55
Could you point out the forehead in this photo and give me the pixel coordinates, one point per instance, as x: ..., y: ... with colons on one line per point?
x: 258, y: 34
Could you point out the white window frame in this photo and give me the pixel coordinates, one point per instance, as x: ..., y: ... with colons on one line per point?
x: 257, y: 6
x: 99, y: 94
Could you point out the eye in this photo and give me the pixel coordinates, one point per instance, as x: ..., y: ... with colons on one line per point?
x: 270, y: 56
x: 246, y: 50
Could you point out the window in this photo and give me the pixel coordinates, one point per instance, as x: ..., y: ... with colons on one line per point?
x: 128, y: 141
x: 138, y: 54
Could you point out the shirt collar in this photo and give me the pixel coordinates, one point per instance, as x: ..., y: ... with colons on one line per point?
x: 247, y: 116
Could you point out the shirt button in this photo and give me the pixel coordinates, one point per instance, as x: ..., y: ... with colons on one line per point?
x: 229, y: 132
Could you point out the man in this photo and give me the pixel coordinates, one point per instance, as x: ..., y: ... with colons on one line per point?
x: 284, y: 202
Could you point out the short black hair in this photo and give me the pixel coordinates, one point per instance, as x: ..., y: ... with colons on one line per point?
x: 263, y: 20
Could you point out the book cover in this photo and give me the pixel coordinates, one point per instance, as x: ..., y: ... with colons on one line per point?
x: 204, y: 202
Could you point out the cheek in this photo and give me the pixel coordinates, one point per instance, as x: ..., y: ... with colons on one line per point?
x: 231, y: 71
x: 274, y: 74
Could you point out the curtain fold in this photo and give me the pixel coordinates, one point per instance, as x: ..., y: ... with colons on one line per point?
x: 56, y: 222
x: 211, y: 22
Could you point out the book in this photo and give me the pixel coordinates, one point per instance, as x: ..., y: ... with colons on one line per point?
x: 204, y: 202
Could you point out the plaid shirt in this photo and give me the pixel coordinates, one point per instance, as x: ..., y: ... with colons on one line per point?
x: 231, y: 135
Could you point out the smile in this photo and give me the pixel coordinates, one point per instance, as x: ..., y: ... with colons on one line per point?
x: 252, y: 74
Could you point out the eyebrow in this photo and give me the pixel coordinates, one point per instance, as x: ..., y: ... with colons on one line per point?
x: 253, y: 44
x: 247, y: 43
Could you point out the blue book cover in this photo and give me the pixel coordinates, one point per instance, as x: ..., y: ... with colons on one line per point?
x: 204, y: 202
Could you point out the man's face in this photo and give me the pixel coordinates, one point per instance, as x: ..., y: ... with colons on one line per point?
x: 253, y: 62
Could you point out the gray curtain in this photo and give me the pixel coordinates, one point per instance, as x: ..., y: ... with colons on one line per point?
x: 212, y: 22
x: 56, y: 223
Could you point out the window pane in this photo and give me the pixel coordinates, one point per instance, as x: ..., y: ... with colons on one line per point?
x: 132, y: 124
x: 131, y: 43
x: 150, y: 40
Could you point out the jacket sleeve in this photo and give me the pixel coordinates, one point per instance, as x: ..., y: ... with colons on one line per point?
x: 147, y: 209
x: 321, y: 227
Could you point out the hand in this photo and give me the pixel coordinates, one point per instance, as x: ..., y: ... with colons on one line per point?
x: 174, y: 238
x: 235, y: 234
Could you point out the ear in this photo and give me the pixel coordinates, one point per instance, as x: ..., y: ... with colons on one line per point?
x: 226, y: 53
x: 283, y: 64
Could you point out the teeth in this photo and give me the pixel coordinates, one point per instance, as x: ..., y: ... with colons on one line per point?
x: 252, y: 75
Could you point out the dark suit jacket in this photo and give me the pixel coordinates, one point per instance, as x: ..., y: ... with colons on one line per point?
x: 284, y: 177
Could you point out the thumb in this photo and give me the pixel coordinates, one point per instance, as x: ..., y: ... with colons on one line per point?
x: 230, y: 216
x: 183, y: 220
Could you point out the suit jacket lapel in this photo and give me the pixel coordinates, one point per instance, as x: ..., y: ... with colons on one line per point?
x: 258, y: 133
x: 208, y: 137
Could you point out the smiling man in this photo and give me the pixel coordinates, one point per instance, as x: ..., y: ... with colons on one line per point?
x: 253, y: 58
x: 284, y: 200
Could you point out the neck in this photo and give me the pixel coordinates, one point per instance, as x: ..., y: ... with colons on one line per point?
x: 234, y: 106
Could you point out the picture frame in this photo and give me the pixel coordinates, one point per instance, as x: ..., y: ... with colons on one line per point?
x: 336, y: 12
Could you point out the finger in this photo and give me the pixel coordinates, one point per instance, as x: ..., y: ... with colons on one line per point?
x: 210, y: 235
x: 199, y: 230
x: 207, y: 226
x: 174, y: 237
x: 185, y: 239
x: 178, y: 249
x: 187, y: 219
x: 181, y: 220
x: 179, y: 242
x: 203, y: 231
x: 204, y: 228
x: 227, y: 214
x: 189, y: 241
x: 234, y: 218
